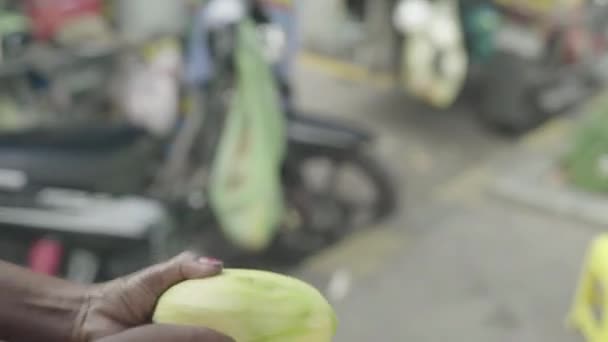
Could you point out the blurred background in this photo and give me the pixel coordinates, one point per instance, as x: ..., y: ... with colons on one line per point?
x: 438, y: 168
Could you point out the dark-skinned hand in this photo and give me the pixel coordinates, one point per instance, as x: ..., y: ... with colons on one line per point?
x: 121, y: 310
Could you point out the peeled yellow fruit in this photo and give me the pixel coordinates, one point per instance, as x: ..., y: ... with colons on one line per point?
x: 250, y: 306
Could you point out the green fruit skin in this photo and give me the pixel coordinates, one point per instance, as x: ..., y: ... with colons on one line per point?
x: 250, y: 306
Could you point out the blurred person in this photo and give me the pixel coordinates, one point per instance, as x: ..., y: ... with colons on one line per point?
x: 36, y: 307
x: 284, y: 13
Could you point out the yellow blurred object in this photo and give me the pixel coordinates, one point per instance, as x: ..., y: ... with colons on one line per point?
x: 283, y: 3
x: 589, y: 314
x: 540, y: 6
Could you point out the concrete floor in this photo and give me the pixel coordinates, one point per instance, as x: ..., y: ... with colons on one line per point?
x: 454, y: 264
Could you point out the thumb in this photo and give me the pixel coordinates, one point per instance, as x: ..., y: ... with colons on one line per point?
x: 168, y: 333
x: 159, y: 278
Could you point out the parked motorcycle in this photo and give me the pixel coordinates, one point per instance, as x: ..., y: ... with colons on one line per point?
x: 549, y: 58
x: 107, y: 199
x: 525, y: 61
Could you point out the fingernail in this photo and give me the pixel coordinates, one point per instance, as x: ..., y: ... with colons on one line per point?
x: 210, y: 261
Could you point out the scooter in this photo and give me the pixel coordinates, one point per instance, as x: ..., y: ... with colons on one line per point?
x: 523, y: 61
x: 548, y: 58
x: 102, y: 200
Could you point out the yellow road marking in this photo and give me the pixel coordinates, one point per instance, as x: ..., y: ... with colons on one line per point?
x: 347, y: 71
x: 468, y: 186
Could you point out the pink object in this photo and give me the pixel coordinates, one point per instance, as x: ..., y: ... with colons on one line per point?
x: 45, y: 257
x: 48, y: 16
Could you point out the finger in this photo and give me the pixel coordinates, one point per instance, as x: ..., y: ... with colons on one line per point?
x: 168, y: 333
x: 157, y: 279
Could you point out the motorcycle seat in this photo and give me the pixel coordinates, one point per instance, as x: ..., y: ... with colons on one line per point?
x: 308, y: 130
x: 113, y: 159
x: 88, y: 136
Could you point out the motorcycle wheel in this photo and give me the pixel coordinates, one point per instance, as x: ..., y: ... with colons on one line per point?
x: 328, y: 197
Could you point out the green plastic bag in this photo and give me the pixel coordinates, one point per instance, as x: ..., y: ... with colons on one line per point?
x: 246, y: 191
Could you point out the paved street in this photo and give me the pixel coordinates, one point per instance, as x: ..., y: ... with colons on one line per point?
x: 479, y: 274
x: 423, y: 148
x: 456, y: 263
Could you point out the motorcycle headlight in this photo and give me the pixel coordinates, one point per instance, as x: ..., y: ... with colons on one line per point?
x: 411, y: 15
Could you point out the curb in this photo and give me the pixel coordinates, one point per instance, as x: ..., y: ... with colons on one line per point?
x: 533, y: 183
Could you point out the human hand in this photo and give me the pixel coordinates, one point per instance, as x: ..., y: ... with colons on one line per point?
x: 166, y: 333
x: 121, y: 310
